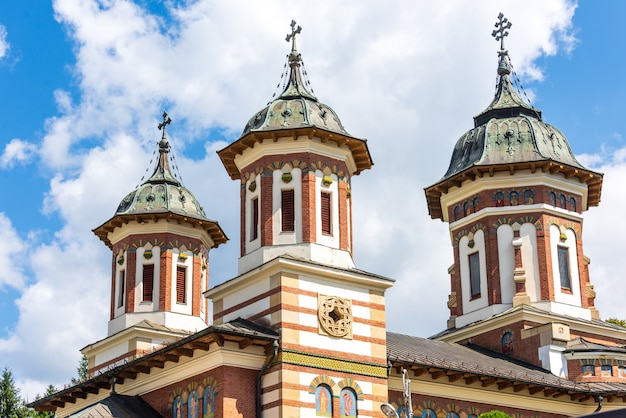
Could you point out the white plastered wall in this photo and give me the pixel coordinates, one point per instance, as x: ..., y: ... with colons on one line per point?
x: 565, y: 297
x: 506, y: 260
x: 530, y: 261
x: 464, y: 252
x: 251, y: 245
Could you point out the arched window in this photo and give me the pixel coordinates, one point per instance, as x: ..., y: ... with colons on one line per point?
x: 192, y: 405
x: 552, y: 197
x: 457, y: 212
x: 529, y: 196
x: 177, y: 407
x: 323, y: 401
x: 428, y: 413
x: 475, y: 204
x: 347, y: 403
x: 499, y: 199
x: 208, y: 407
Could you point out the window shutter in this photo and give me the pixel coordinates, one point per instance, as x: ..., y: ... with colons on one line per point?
x: 287, y: 211
x: 148, y: 282
x: 325, y: 213
x: 180, y: 284
x: 254, y: 231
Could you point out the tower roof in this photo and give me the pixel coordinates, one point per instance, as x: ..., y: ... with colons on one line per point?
x: 296, y: 111
x: 510, y: 135
x: 161, y: 196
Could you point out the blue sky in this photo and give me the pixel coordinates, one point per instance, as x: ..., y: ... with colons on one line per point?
x: 84, y: 83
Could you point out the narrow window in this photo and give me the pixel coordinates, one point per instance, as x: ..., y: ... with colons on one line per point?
x: 474, y: 267
x: 180, y: 284
x: 563, y: 253
x: 148, y: 282
x: 122, y: 289
x: 325, y: 209
x: 254, y: 221
x: 287, y: 211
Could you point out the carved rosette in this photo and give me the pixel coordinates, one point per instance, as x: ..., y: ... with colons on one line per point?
x: 335, y: 316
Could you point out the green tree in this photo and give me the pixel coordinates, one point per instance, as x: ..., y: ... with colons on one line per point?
x: 494, y: 414
x: 620, y: 322
x: 10, y: 402
x: 81, y: 370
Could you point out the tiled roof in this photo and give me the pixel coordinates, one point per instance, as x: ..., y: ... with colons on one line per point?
x: 455, y: 358
x: 118, y: 406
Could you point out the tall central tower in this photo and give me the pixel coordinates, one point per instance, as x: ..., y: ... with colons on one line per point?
x: 294, y: 162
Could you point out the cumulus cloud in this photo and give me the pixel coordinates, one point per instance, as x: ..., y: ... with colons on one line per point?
x: 396, y: 73
x: 17, y: 152
x: 4, y: 44
x: 12, y: 256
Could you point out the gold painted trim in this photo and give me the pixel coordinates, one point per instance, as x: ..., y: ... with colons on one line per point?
x: 335, y: 364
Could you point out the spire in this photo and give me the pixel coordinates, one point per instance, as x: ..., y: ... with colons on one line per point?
x: 295, y: 86
x: 162, y: 170
x: 506, y: 102
x: 502, y: 30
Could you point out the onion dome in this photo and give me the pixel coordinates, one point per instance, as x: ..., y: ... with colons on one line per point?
x: 162, y: 196
x: 510, y: 135
x: 295, y: 109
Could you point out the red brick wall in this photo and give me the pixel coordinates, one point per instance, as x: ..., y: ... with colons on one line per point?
x: 235, y: 397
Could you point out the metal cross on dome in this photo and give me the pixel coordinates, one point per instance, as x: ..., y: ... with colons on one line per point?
x: 292, y: 36
x: 163, y: 125
x: 502, y: 26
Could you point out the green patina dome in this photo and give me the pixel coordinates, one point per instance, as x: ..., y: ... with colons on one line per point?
x: 295, y: 107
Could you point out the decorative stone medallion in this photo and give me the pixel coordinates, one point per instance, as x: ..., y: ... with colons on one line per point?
x: 335, y: 316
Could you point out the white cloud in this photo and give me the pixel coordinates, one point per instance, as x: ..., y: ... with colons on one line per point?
x: 4, y: 44
x: 17, y: 152
x: 13, y: 256
x: 407, y: 75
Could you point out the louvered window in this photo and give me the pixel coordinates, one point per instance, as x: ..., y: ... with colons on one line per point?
x: 254, y: 221
x: 325, y: 213
x: 148, y: 282
x: 180, y: 284
x: 287, y: 211
x: 122, y: 289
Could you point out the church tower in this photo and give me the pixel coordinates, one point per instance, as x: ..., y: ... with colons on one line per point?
x: 514, y: 195
x: 294, y: 161
x: 160, y: 239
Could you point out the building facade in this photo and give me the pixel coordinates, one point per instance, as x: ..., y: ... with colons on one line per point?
x: 301, y: 331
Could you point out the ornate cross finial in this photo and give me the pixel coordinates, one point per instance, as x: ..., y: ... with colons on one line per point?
x: 502, y: 26
x: 292, y: 36
x: 163, y: 125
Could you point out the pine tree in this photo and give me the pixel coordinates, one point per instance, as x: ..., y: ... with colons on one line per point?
x: 10, y: 401
x: 81, y: 370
